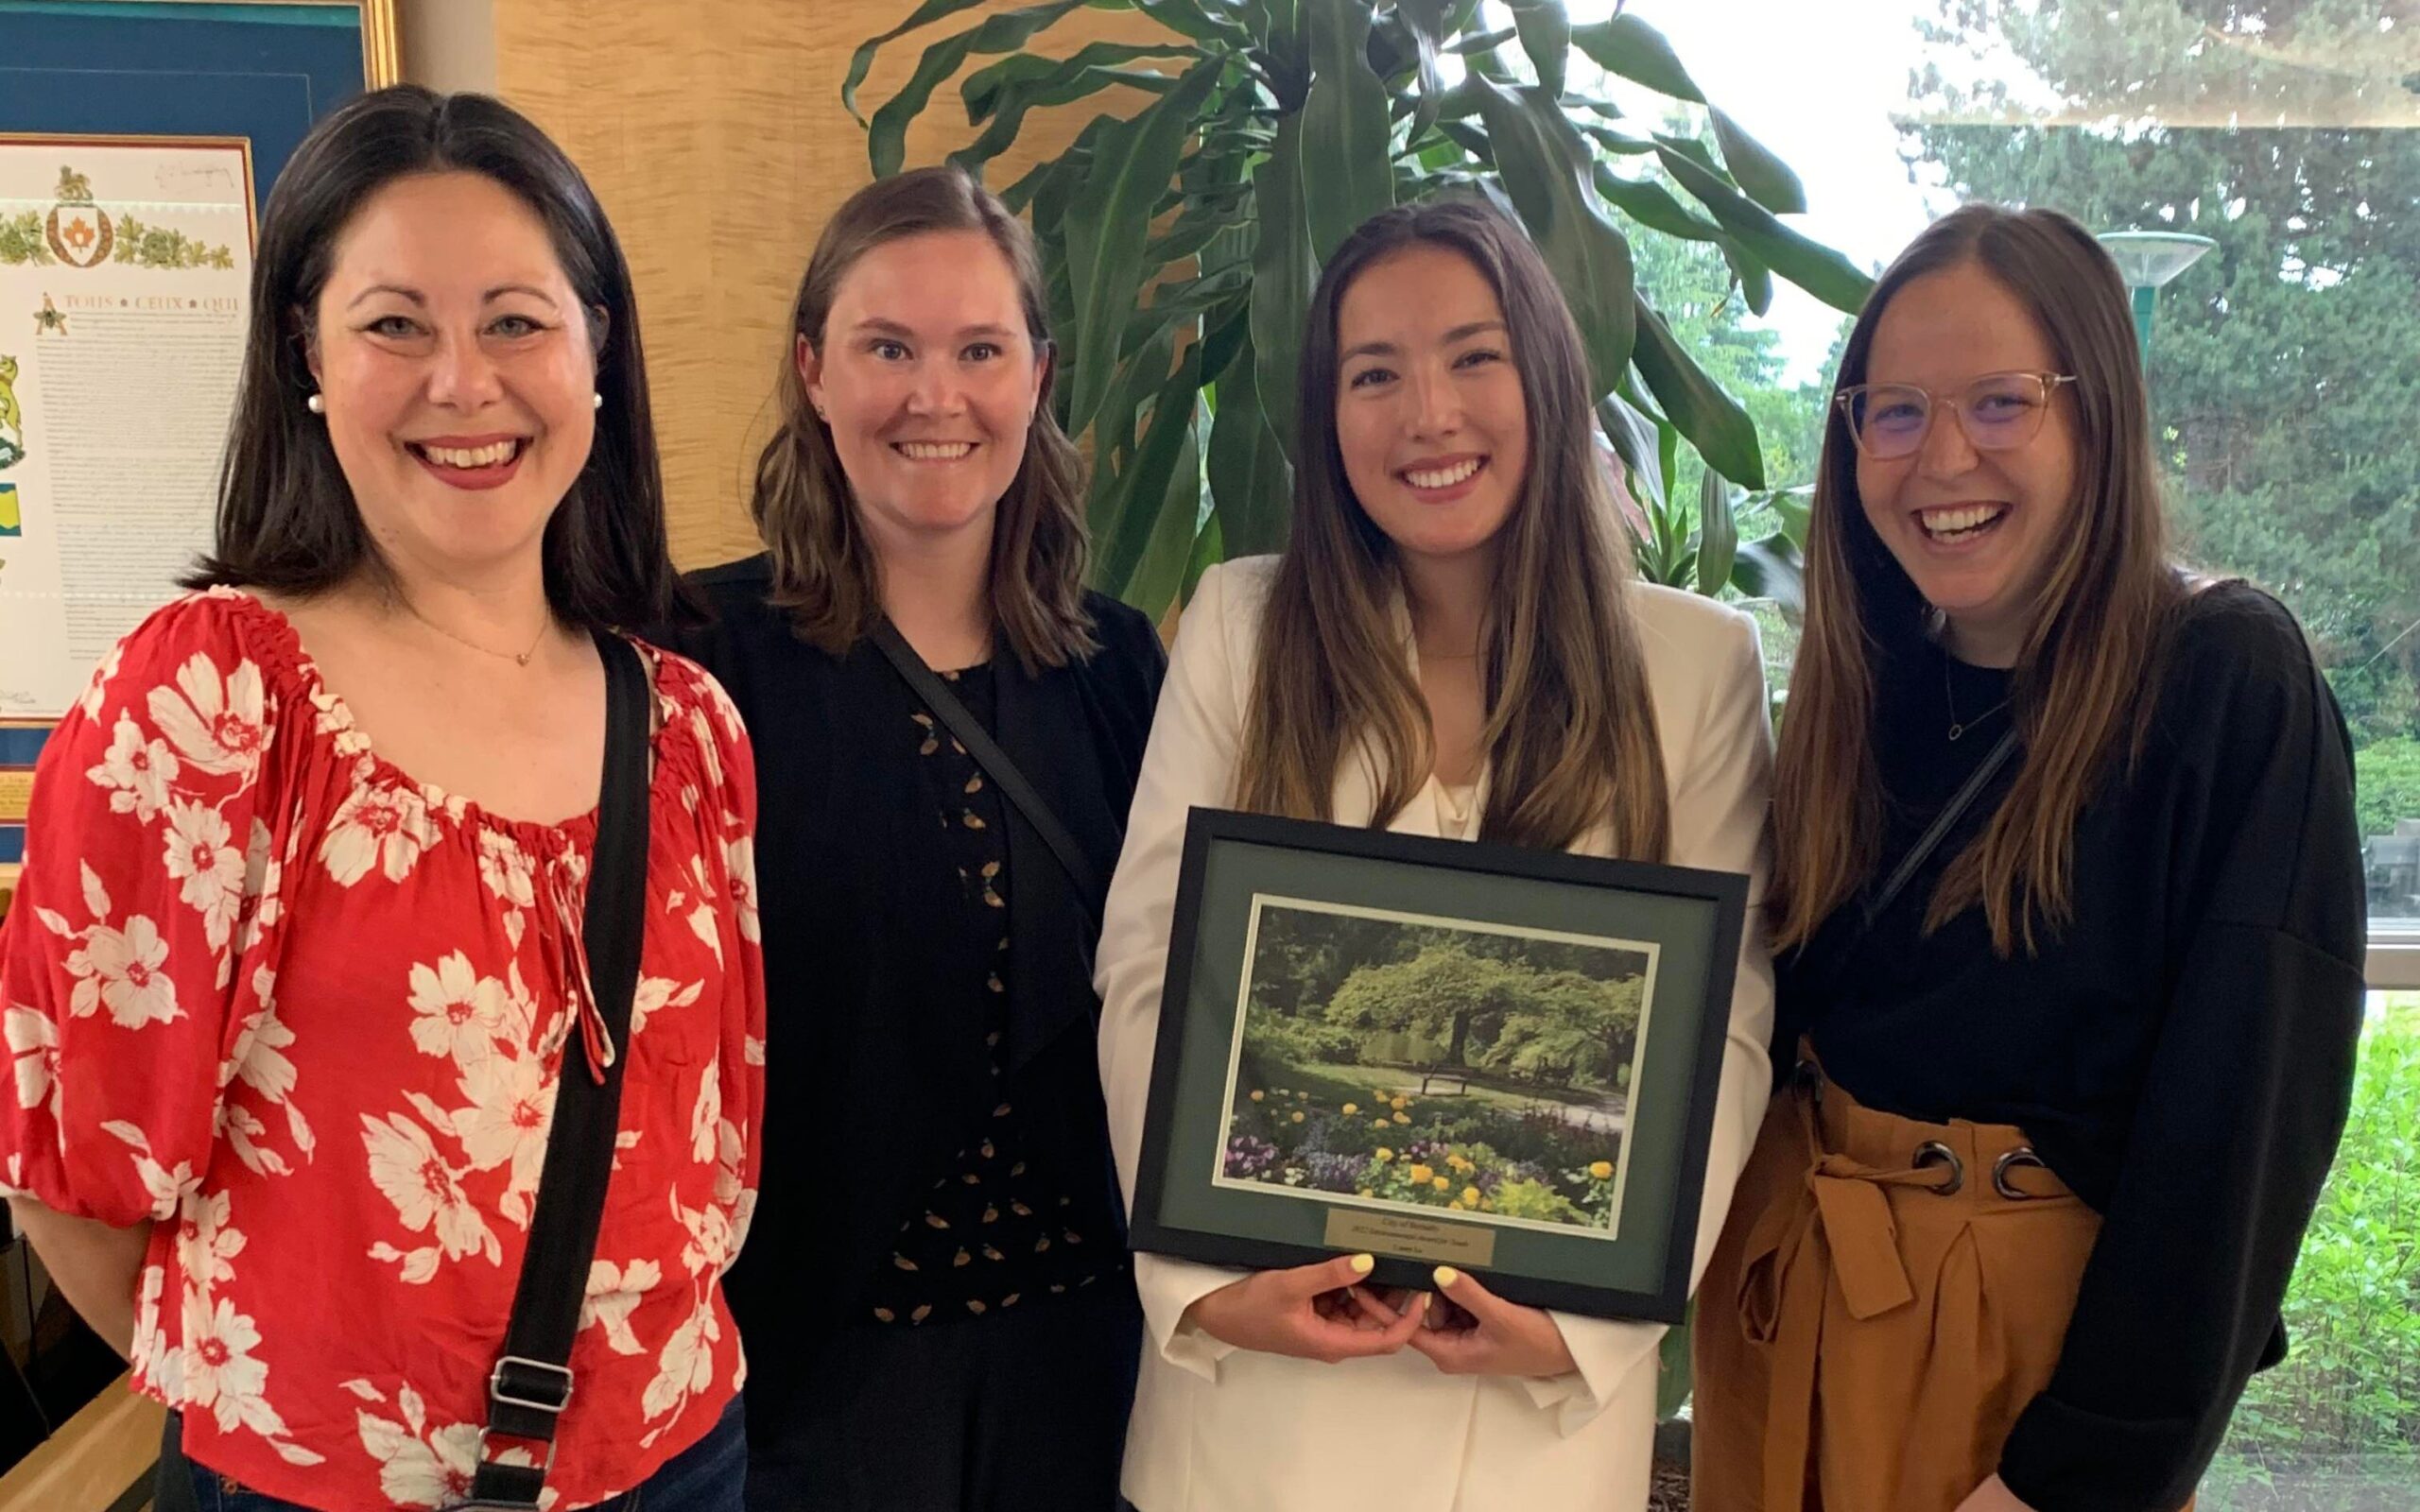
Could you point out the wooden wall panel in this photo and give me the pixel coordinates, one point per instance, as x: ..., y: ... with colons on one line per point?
x: 714, y: 133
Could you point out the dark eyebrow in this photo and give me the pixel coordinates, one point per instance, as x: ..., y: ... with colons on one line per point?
x: 892, y: 328
x: 413, y: 296
x: 1387, y: 349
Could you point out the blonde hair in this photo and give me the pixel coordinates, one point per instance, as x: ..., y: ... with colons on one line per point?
x: 2107, y: 599
x: 1570, y: 730
x: 824, y: 569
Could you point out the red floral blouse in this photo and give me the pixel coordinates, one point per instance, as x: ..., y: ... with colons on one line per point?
x: 306, y: 1015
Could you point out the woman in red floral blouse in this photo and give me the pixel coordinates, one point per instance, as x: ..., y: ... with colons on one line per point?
x: 295, y: 964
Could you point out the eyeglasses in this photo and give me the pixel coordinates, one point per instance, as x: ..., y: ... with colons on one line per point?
x: 1997, y: 411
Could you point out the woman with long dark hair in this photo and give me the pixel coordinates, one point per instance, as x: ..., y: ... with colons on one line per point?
x: 2071, y: 903
x: 1450, y: 646
x: 297, y: 976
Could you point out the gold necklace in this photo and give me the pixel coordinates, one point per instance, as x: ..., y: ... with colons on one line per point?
x: 517, y: 658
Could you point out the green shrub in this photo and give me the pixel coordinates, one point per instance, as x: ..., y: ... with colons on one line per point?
x: 2351, y: 1382
x: 2386, y: 782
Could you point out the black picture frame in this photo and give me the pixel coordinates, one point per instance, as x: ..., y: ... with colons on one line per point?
x: 1685, y: 923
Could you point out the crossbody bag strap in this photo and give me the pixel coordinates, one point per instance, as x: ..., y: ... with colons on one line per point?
x: 531, y: 1383
x: 994, y: 762
x: 1936, y: 831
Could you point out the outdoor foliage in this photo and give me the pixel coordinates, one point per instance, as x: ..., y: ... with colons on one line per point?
x: 2351, y: 1382
x: 1181, y: 243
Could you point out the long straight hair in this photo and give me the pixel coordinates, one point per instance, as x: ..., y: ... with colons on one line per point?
x: 1570, y: 734
x: 2106, y: 600
x: 824, y: 569
x: 286, y: 518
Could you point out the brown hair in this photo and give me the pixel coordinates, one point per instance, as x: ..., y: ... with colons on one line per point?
x: 286, y: 518
x: 824, y: 569
x: 2107, y: 596
x: 1570, y: 730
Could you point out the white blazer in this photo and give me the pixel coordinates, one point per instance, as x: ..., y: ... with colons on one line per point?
x: 1217, y: 1429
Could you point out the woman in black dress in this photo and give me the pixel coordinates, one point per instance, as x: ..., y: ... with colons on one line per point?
x: 936, y: 1301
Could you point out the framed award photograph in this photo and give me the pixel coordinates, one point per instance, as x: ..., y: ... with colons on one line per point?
x: 1439, y: 1052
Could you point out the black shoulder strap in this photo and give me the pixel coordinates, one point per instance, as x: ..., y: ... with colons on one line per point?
x: 531, y: 1383
x: 994, y: 760
x: 1938, y: 831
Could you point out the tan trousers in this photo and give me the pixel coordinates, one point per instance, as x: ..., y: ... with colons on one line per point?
x: 1887, y: 1297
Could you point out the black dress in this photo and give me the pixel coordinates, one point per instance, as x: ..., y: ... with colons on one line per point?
x: 934, y: 1294
x: 2181, y: 1054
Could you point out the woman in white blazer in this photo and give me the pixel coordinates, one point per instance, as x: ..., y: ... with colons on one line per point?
x: 1450, y: 646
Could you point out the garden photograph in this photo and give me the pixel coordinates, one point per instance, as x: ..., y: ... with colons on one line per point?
x: 1402, y: 1060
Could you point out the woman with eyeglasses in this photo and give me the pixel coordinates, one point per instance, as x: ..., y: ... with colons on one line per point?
x: 2070, y: 908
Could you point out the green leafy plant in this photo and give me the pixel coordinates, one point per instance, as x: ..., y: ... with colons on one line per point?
x: 1181, y: 243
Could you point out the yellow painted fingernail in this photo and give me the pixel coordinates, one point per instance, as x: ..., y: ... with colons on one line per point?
x: 1364, y: 1264
x: 1448, y: 1275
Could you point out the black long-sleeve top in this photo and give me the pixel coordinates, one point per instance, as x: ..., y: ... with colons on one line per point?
x: 887, y: 1056
x: 2181, y: 1054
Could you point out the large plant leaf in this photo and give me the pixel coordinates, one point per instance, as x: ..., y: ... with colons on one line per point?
x: 1345, y: 127
x: 1628, y: 47
x: 1124, y: 515
x: 1763, y: 177
x: 983, y: 89
x: 1109, y: 224
x: 1635, y: 441
x: 1652, y: 205
x: 1282, y: 274
x: 1772, y: 568
x: 1211, y: 22
x: 861, y: 61
x: 1546, y: 38
x: 1544, y: 168
x: 1251, y: 483
x: 1712, y: 420
x: 1426, y: 21
x: 1014, y: 100
x: 1717, y: 533
x: 1755, y: 278
x: 1811, y: 266
x: 1167, y: 552
x: 887, y: 135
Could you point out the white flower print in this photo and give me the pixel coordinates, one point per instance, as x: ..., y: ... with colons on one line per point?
x: 741, y: 855
x: 686, y: 1367
x: 263, y: 882
x: 713, y: 1241
x: 657, y: 993
x: 751, y: 1050
x: 382, y: 827
x: 505, y: 869
x: 201, y: 854
x: 704, y: 919
x: 260, y: 1062
x: 156, y: 1362
x: 512, y: 1104
x: 96, y: 690
x: 426, y: 1192
x: 206, y: 1245
x: 164, y: 1186
x: 218, y: 726
x: 33, y: 1041
x: 706, y: 1113
x: 614, y: 1294
x: 220, y: 1372
x: 416, y: 1467
x: 122, y: 972
x: 461, y: 1012
x: 138, y: 772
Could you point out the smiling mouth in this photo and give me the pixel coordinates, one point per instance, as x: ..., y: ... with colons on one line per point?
x: 470, y: 459
x: 934, y: 450
x: 1446, y: 476
x: 1964, y: 522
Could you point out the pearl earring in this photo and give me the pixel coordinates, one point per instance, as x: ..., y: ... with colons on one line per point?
x: 596, y: 400
x: 316, y: 405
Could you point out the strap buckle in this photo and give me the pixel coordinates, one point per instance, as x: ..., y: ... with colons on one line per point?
x: 520, y: 1381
